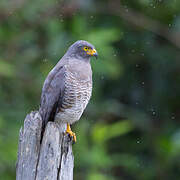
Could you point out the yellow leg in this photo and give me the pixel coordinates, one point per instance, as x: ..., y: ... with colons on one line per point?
x: 69, y: 131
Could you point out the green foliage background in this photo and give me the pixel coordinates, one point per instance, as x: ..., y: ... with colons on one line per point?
x: 130, y: 129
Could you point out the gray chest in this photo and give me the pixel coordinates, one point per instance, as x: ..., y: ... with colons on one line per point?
x: 76, y: 97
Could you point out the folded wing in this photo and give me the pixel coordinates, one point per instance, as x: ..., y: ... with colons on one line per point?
x: 52, y: 94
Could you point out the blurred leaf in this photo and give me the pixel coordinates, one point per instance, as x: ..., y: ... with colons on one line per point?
x: 98, y: 176
x: 103, y: 37
x: 175, y: 142
x: 104, y: 132
x: 125, y: 160
x: 6, y: 69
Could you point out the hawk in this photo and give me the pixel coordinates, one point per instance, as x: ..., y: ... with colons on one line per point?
x: 68, y: 86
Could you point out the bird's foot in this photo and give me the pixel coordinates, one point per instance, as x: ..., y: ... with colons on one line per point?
x: 71, y: 134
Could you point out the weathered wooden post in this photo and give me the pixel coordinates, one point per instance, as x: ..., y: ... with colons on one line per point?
x: 44, y: 158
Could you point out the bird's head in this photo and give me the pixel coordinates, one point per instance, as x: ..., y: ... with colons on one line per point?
x: 82, y: 49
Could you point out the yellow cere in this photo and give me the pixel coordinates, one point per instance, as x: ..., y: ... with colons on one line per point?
x: 89, y: 50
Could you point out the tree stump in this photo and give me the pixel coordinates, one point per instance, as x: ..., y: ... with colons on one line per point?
x: 44, y: 158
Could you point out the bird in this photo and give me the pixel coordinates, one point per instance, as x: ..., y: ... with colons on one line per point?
x: 67, y: 88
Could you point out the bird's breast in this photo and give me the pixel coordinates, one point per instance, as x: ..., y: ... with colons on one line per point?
x: 77, y: 90
x: 76, y: 97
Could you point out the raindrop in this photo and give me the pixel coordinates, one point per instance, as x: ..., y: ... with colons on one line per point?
x: 172, y: 117
x: 137, y: 65
x: 143, y: 83
x: 142, y: 54
x: 102, y: 77
x: 133, y: 50
x: 154, y: 113
x: 138, y: 142
x: 137, y: 103
x: 45, y: 60
x: 91, y: 17
x: 114, y: 55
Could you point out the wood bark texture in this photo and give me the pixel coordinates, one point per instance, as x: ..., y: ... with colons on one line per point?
x: 44, y: 157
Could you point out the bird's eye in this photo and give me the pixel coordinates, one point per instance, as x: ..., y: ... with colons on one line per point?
x: 85, y: 48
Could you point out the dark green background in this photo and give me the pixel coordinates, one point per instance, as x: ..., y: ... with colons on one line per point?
x: 130, y: 129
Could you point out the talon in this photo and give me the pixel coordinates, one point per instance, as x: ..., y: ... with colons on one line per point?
x: 71, y: 134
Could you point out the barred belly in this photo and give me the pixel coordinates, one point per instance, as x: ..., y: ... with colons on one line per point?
x: 76, y: 97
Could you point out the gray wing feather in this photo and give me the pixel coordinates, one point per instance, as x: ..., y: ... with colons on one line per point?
x: 52, y: 94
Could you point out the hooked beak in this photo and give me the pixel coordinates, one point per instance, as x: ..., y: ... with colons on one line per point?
x: 93, y: 52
